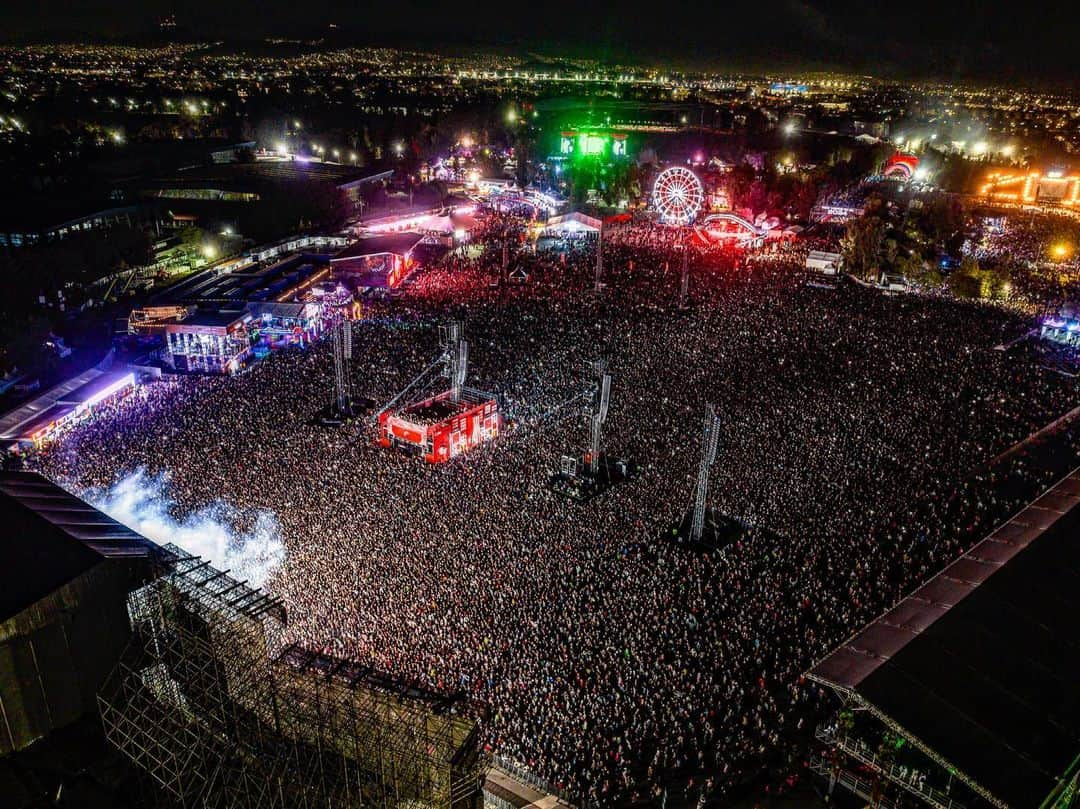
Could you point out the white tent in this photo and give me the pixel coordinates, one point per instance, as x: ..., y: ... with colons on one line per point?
x: 446, y: 224
x: 572, y: 223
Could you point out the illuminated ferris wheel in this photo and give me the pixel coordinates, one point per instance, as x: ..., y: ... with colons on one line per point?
x: 678, y: 195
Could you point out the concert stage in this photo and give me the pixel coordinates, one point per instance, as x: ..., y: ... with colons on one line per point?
x: 719, y: 532
x: 576, y: 482
x: 442, y: 427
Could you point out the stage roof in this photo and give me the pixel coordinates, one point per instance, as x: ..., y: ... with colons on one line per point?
x: 208, y: 318
x: 397, y: 243
x: 103, y: 385
x: 279, y: 310
x: 51, y: 537
x: 54, y: 413
x: 981, y: 663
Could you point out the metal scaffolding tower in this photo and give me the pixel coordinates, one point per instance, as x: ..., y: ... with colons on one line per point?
x: 597, y: 412
x: 584, y: 477
x: 342, y: 348
x: 208, y: 703
x: 709, y: 443
x: 684, y: 281
x: 598, y: 282
x: 455, y: 357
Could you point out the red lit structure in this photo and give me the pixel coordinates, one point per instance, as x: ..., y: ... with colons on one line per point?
x: 441, y: 428
x: 382, y: 262
x: 901, y: 166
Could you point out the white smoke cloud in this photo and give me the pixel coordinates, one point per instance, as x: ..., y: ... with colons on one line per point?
x: 142, y: 502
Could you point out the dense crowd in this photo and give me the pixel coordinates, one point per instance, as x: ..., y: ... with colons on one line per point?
x: 1026, y: 238
x: 616, y: 663
x: 1037, y: 250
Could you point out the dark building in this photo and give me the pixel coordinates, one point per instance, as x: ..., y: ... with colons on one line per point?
x: 252, y: 182
x: 32, y: 221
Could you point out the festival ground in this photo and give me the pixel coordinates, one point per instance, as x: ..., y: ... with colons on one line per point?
x: 856, y: 428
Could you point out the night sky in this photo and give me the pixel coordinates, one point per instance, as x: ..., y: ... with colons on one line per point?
x: 1019, y: 41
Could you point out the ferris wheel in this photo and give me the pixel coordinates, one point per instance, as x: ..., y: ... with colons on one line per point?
x: 678, y: 195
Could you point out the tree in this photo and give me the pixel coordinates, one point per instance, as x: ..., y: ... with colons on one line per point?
x: 523, y: 137
x: 942, y: 219
x: 862, y: 246
x: 969, y: 280
x: 739, y: 181
x: 621, y: 181
x: 916, y: 269
x: 964, y: 281
x: 26, y: 346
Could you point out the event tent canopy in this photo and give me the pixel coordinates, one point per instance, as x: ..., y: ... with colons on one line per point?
x: 575, y: 222
x: 446, y: 224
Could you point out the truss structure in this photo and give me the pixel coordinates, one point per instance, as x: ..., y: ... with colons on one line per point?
x: 709, y: 442
x: 455, y: 357
x: 597, y: 412
x: 453, y: 360
x: 598, y: 280
x: 684, y: 279
x: 342, y: 347
x: 211, y: 706
x: 852, y: 701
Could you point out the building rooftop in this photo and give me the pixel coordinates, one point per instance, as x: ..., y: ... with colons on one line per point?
x: 265, y: 173
x: 397, y: 243
x: 28, y: 429
x: 206, y: 318
x: 35, y: 212
x: 98, y: 388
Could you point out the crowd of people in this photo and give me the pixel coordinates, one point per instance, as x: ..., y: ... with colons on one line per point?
x: 1038, y: 250
x: 856, y: 430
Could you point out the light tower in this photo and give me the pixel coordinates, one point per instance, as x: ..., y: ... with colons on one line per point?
x: 598, y: 282
x: 582, y: 478
x: 342, y: 347
x: 455, y: 357
x: 684, y: 280
x: 709, y: 442
x: 597, y: 412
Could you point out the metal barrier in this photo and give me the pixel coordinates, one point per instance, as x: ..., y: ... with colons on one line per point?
x: 891, y: 771
x: 526, y: 776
